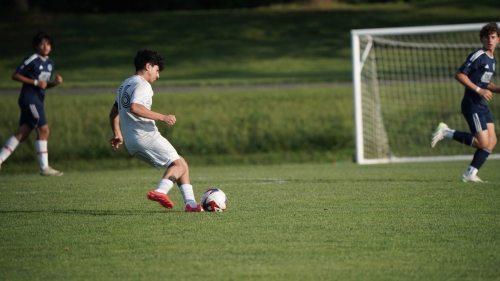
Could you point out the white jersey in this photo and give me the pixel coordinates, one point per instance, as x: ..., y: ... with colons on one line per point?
x: 137, y: 131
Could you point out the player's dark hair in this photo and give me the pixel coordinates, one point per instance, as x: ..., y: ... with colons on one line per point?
x: 488, y: 29
x: 39, y: 36
x: 145, y: 56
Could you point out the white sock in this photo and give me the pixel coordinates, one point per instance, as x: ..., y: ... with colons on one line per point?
x: 188, y: 195
x: 471, y: 171
x: 448, y: 133
x: 164, y: 186
x: 43, y: 154
x: 8, y: 148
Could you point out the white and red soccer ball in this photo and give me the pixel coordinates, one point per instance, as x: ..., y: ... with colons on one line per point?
x: 214, y: 200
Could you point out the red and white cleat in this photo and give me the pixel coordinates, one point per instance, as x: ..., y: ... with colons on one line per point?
x: 190, y: 209
x: 161, y: 198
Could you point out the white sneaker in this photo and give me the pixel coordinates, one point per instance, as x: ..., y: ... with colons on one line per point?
x: 438, y: 133
x: 50, y: 172
x: 471, y: 178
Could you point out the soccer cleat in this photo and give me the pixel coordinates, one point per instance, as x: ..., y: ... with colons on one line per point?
x: 190, y: 209
x: 438, y: 133
x: 50, y: 172
x: 471, y: 178
x: 161, y: 198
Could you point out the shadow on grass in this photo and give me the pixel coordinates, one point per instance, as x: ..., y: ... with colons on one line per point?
x: 90, y: 212
x: 214, y: 44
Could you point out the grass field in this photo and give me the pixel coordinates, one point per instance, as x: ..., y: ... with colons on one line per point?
x: 285, y: 222
x: 211, y: 127
x: 281, y: 45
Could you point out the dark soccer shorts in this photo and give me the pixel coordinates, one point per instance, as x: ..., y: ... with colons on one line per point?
x: 477, y: 121
x: 32, y: 115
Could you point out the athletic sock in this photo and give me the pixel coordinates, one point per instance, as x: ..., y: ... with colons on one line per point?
x: 8, y: 148
x: 188, y: 195
x: 448, y: 133
x: 479, y: 158
x: 471, y: 171
x: 164, y: 186
x: 462, y: 137
x: 43, y: 154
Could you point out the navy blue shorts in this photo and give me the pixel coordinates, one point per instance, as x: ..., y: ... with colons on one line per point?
x: 32, y: 115
x: 477, y: 121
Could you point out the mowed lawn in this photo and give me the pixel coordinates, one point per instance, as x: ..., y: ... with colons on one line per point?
x: 284, y: 222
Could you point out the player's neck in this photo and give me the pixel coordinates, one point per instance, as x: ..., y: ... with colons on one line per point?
x: 142, y: 74
x: 43, y: 57
x: 489, y: 52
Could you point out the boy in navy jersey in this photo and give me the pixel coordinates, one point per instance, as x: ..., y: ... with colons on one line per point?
x: 35, y: 72
x: 475, y: 74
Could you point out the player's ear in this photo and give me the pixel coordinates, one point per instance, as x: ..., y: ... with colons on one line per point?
x: 147, y: 66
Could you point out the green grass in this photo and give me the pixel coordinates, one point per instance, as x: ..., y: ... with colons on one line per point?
x: 212, y: 127
x: 274, y: 45
x: 288, y: 222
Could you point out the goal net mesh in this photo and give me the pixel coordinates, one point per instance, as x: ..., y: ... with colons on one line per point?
x: 408, y: 87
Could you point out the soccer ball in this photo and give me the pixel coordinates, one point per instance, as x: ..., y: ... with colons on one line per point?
x: 214, y: 200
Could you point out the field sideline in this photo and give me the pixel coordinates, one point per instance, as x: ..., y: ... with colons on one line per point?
x: 284, y: 222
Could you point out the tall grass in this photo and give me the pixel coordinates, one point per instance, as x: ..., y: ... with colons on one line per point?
x: 305, y: 121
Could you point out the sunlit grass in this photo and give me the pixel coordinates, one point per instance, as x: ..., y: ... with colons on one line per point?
x: 289, y: 222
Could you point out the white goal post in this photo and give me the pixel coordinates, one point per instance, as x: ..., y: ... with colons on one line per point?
x: 403, y: 86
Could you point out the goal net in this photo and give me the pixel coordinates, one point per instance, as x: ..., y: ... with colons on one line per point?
x: 404, y: 85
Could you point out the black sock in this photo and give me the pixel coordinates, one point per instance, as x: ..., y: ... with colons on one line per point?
x: 463, y: 137
x: 479, y: 158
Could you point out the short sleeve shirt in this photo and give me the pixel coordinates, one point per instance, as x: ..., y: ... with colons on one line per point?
x: 479, y: 67
x: 135, y: 89
x: 34, y: 67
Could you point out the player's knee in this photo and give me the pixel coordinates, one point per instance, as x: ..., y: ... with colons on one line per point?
x: 43, y: 132
x: 492, y: 143
x: 483, y: 143
x: 184, y: 162
x: 181, y: 166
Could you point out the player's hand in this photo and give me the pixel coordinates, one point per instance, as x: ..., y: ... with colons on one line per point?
x: 58, y: 80
x: 115, y: 142
x: 486, y: 94
x: 168, y: 119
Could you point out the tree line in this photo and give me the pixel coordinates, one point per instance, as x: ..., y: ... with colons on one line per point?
x: 120, y: 6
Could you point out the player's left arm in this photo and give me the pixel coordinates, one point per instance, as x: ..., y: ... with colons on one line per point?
x: 114, y: 120
x: 464, y: 80
x: 141, y: 111
x: 494, y: 88
x: 58, y: 80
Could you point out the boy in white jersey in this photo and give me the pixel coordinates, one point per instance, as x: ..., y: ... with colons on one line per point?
x: 475, y: 75
x: 132, y: 109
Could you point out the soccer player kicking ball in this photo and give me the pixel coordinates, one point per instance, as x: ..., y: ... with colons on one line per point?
x: 35, y: 73
x: 475, y: 74
x: 132, y: 109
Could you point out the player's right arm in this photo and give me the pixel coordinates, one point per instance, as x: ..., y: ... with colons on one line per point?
x: 114, y: 120
x: 23, y: 79
x: 141, y: 111
x: 464, y: 80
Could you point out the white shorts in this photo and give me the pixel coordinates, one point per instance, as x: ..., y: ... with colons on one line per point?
x: 157, y: 151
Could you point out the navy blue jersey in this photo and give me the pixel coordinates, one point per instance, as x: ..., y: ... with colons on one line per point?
x: 34, y: 67
x: 479, y: 67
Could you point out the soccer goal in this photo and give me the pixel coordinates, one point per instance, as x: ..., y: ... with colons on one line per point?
x: 403, y: 80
